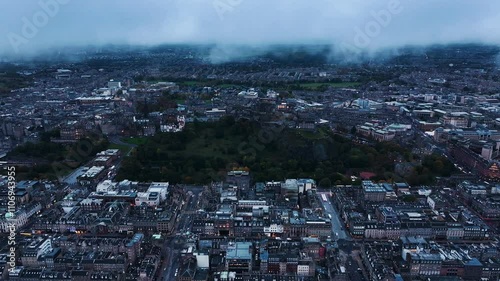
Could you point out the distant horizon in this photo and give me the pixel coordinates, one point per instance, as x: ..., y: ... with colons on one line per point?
x: 228, y: 52
x: 350, y: 26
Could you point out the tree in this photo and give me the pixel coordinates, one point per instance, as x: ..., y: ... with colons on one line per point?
x: 325, y: 182
x: 219, y: 132
x: 410, y: 198
x: 46, y: 136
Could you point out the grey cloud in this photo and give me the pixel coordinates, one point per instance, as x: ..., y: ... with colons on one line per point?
x: 254, y: 23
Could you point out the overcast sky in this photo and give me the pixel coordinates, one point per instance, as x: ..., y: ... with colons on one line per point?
x: 249, y: 22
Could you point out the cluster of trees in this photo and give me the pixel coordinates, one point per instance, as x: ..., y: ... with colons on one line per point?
x: 204, y: 152
x: 166, y: 101
x: 46, y: 154
x: 44, y: 150
x: 10, y: 79
x: 199, y: 154
x: 48, y: 151
x: 432, y: 166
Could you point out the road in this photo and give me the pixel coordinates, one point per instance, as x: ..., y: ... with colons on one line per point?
x: 117, y: 140
x: 166, y: 269
x: 337, y: 226
x: 174, y: 243
x: 354, y: 266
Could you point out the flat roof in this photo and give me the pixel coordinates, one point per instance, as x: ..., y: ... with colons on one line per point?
x: 240, y: 250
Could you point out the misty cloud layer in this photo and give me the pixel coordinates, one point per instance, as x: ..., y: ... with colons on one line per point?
x: 349, y: 25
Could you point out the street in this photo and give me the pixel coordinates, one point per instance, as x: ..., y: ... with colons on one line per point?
x: 117, y: 140
x: 174, y: 242
x: 337, y: 226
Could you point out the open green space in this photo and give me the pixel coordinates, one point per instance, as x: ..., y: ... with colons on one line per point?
x: 192, y: 83
x: 279, y: 86
x: 124, y: 149
x: 209, y: 83
x: 135, y: 140
x: 318, y: 86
